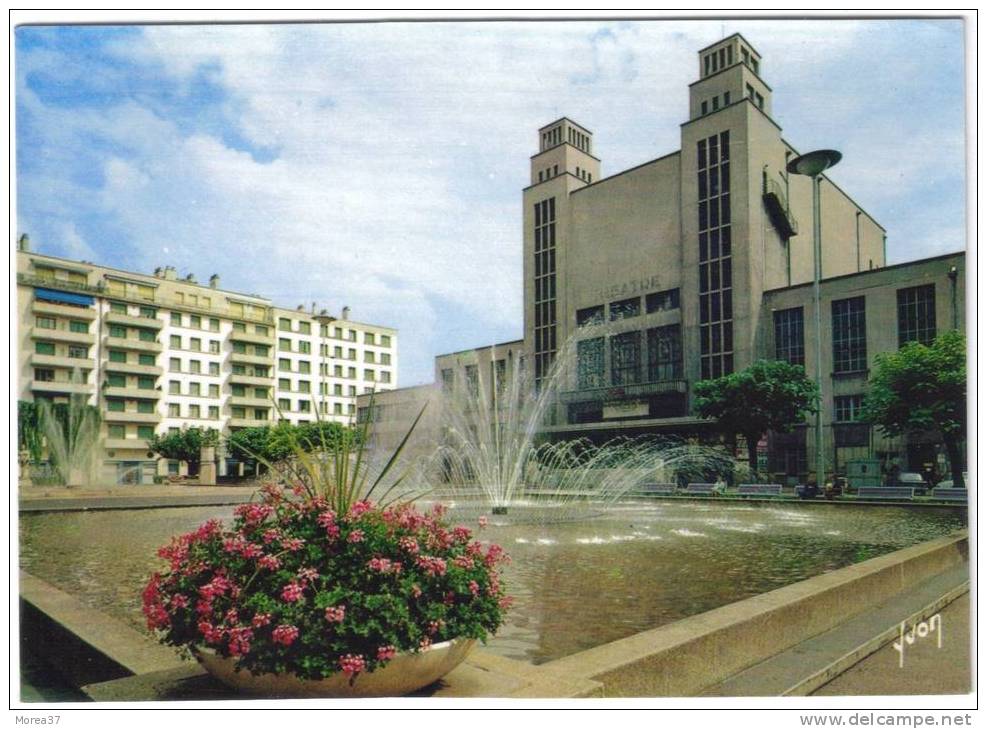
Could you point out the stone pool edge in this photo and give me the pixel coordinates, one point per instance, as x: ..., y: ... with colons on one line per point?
x: 678, y: 659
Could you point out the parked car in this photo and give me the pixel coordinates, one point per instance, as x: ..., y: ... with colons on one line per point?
x: 915, y: 480
x: 807, y: 491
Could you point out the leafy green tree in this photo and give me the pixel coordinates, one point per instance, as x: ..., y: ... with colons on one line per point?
x: 185, y: 445
x: 29, y: 436
x: 768, y: 395
x: 922, y: 388
x: 248, y: 443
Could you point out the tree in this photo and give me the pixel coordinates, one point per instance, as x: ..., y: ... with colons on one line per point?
x: 185, y: 445
x: 768, y: 395
x: 922, y: 388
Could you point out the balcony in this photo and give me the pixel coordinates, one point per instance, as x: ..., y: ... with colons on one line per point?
x: 777, y: 205
x: 51, y: 308
x: 63, y: 334
x: 133, y: 368
x: 245, y: 358
x: 66, y: 387
x: 137, y: 345
x: 251, y: 380
x: 27, y: 279
x: 252, y: 337
x: 55, y: 360
x: 145, y: 322
x: 132, y: 393
x: 623, y: 392
x: 130, y: 416
x: 125, y: 444
x: 250, y: 401
x: 247, y: 423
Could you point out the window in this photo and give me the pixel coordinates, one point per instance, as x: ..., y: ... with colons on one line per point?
x: 352, y: 334
x: 194, y: 389
x: 351, y: 354
x: 44, y: 375
x: 239, y: 348
x: 238, y: 412
x: 214, y: 368
x: 625, y: 309
x: 284, y: 324
x: 368, y: 338
x: 305, y: 347
x: 238, y: 390
x: 665, y: 353
x: 368, y: 356
x: 385, y: 376
x: 849, y: 335
x: 917, y: 314
x: 790, y: 336
x: 304, y: 327
x: 44, y: 348
x: 145, y: 359
x: 284, y: 403
x: 726, y: 98
x: 846, y: 408
x: 195, y: 344
x: 304, y: 386
x: 304, y: 406
x: 385, y: 358
x: 260, y: 350
x: 351, y: 373
x: 589, y: 316
x: 213, y: 390
x: 284, y: 345
x: 77, y: 352
x: 115, y: 405
x: 176, y: 341
x: 118, y: 331
x: 239, y: 326
x: 237, y: 369
x: 174, y: 365
x: 260, y: 393
x: 304, y: 367
x: 337, y: 408
x: 385, y: 340
x: 368, y: 375
x: 704, y: 108
x: 145, y: 406
x: 260, y: 329
x: 115, y: 380
x: 214, y: 412
x: 195, y: 321
x: 176, y: 319
x: 213, y: 325
x: 194, y: 411
x: 351, y: 391
x: 214, y: 346
x: 195, y: 366
x: 716, y: 103
x: 148, y: 312
x: 145, y: 383
x: 284, y: 384
x: 715, y: 262
x: 145, y: 293
x: 661, y: 301
x: 625, y: 356
x: 174, y: 410
x: 284, y: 365
x: 117, y: 355
x: 337, y: 371
x: 116, y: 431
x: 145, y: 431
x: 174, y: 387
x: 118, y: 307
x: 146, y: 335
x: 45, y: 322
x: 589, y: 363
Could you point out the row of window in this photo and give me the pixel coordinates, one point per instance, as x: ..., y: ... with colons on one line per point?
x: 916, y: 323
x: 305, y: 328
x: 49, y: 322
x: 667, y: 300
x: 194, y: 344
x: 715, y: 102
x: 73, y: 351
x: 662, y: 345
x: 119, y: 331
x: 548, y: 174
x: 754, y: 96
x: 584, y: 175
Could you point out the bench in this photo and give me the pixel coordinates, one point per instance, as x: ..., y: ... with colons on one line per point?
x: 759, y: 489
x: 656, y: 489
x: 949, y: 494
x: 885, y: 492
x: 704, y: 489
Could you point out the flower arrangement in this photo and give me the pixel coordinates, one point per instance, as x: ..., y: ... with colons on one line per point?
x: 318, y: 579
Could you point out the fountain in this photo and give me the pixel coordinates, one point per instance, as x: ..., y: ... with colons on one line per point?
x: 71, y: 437
x: 490, y: 450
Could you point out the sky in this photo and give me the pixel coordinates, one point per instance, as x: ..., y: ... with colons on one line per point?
x: 380, y: 165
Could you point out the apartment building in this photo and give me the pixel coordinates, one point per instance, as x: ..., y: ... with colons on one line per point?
x: 640, y: 283
x: 157, y: 353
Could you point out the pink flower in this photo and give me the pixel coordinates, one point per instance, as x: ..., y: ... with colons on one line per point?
x: 285, y: 634
x: 240, y: 641
x: 409, y: 545
x: 250, y: 550
x: 355, y: 536
x: 474, y: 588
x: 434, y: 566
x: 360, y: 508
x: 352, y: 665
x: 307, y: 575
x: 378, y: 564
x: 270, y: 535
x: 232, y: 616
x: 438, y: 510
x: 210, y: 633
x: 386, y: 652
x: 292, y: 545
x: 292, y: 592
x: 461, y: 534
x: 253, y: 514
x: 336, y: 614
x: 261, y: 619
x: 464, y: 561
x: 269, y: 562
x: 178, y: 601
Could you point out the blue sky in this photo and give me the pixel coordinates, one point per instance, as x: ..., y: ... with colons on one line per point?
x: 380, y: 165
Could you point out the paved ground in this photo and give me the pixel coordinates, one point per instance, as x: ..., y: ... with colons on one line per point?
x: 927, y: 669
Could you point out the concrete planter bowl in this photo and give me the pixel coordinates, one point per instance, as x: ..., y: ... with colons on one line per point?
x: 405, y: 673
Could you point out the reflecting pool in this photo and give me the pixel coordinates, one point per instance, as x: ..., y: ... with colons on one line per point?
x: 576, y: 584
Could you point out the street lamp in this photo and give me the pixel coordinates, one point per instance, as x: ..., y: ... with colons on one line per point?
x: 812, y: 165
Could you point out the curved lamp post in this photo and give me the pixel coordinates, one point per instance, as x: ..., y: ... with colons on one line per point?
x: 812, y: 165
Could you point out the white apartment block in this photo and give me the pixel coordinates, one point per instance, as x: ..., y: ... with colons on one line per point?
x: 157, y: 353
